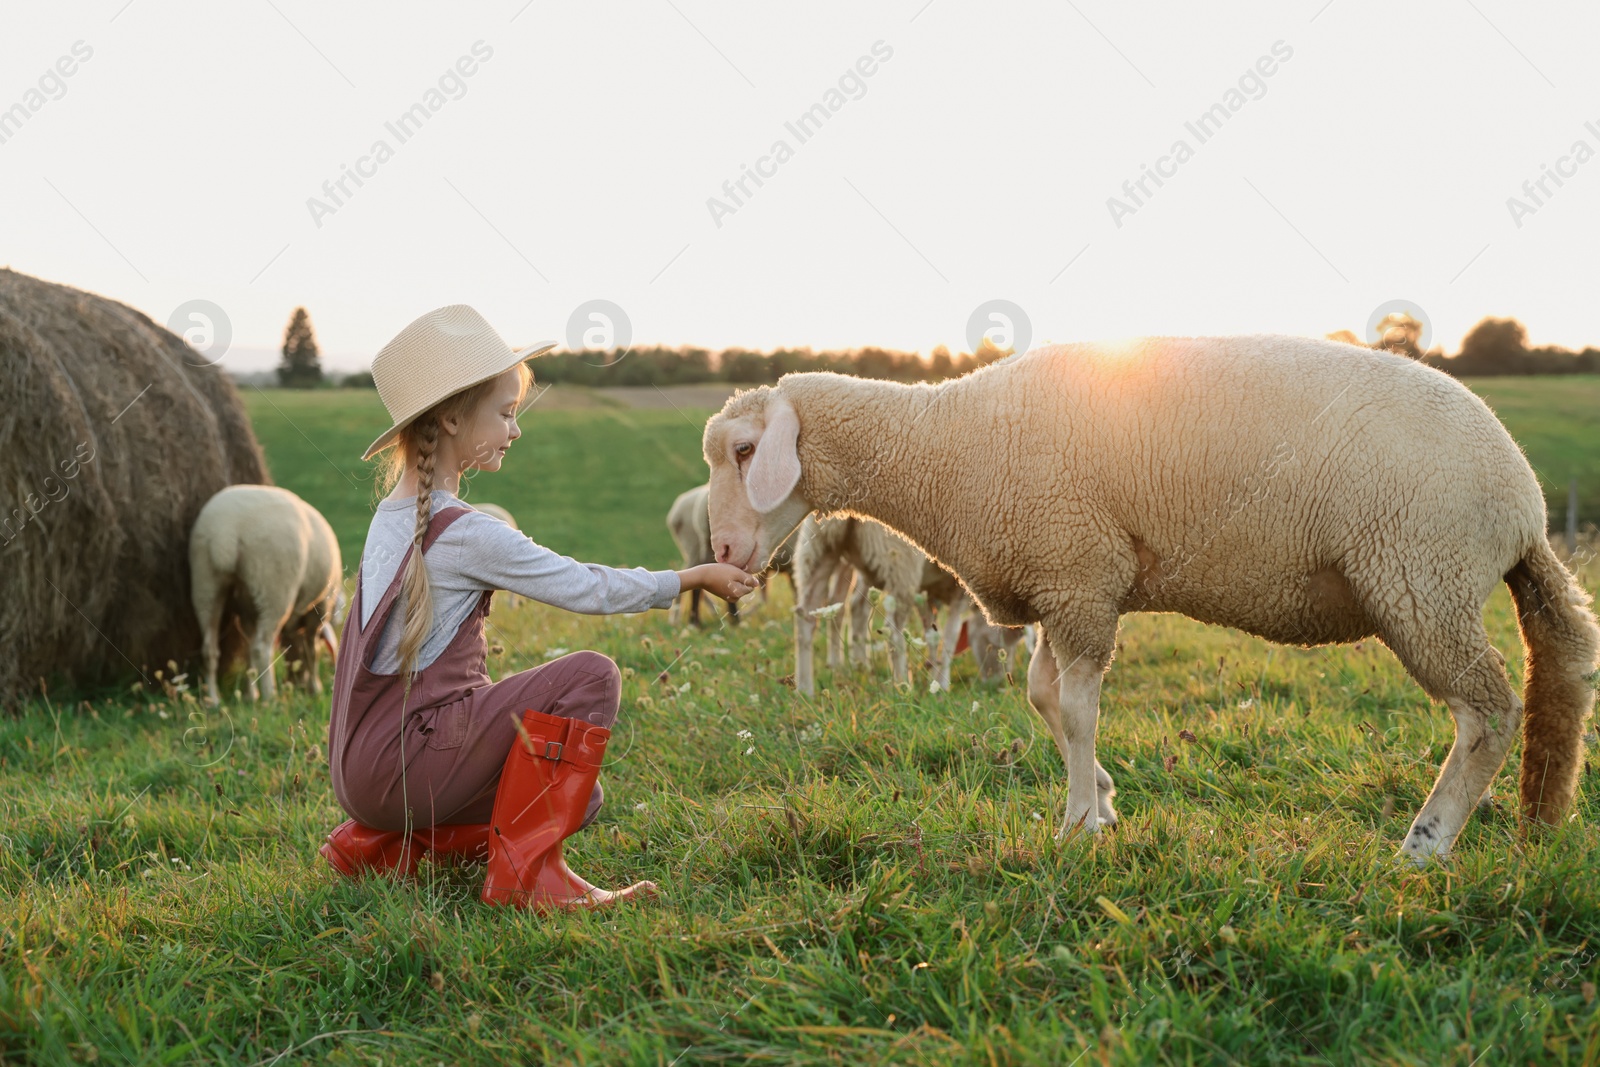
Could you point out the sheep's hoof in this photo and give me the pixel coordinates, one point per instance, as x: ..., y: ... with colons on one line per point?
x: 1412, y: 861
x: 1418, y: 855
x: 1086, y: 823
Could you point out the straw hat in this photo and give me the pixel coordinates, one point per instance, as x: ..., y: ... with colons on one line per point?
x: 438, y: 355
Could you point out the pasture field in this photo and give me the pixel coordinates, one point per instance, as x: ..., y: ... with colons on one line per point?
x: 870, y: 876
x: 1557, y: 422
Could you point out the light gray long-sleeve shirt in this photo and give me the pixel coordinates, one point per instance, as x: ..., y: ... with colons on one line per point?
x: 479, y: 552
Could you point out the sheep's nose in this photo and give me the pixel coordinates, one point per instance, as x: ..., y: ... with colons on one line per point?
x: 724, y: 550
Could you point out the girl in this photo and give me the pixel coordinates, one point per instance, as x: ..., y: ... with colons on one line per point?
x: 426, y: 754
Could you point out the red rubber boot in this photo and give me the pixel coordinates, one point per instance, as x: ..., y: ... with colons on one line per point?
x: 354, y: 850
x: 455, y: 844
x: 543, y: 793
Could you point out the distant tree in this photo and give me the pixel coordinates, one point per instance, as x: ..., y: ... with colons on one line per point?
x: 875, y: 363
x: 741, y: 366
x: 1347, y: 337
x: 1494, y: 346
x: 988, y: 351
x: 302, y: 362
x: 1401, y: 334
x: 361, y: 379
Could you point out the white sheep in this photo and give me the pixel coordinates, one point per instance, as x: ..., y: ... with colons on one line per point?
x: 830, y: 554
x: 276, y: 557
x: 690, y: 526
x: 1300, y: 490
x: 992, y: 646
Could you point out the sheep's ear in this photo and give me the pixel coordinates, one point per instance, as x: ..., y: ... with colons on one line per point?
x: 775, y: 469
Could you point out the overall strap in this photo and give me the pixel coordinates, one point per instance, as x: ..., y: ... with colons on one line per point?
x: 436, y: 526
x: 439, y: 524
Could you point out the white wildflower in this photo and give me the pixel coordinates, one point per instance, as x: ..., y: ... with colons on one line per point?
x: 641, y: 806
x: 749, y: 750
x: 553, y: 653
x: 744, y: 735
x: 827, y: 612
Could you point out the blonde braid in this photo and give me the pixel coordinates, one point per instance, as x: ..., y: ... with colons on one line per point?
x: 418, y: 593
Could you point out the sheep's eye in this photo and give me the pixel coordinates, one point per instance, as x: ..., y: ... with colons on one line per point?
x: 743, y: 449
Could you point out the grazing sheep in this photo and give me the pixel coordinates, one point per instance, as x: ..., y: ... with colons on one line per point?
x: 829, y: 554
x: 989, y: 641
x: 690, y: 526
x: 1301, y: 490
x: 276, y: 556
x: 943, y: 594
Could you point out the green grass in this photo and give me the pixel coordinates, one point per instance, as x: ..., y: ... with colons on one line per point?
x: 877, y: 881
x: 1557, y: 422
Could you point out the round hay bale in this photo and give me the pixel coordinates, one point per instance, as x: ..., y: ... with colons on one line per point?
x: 113, y: 434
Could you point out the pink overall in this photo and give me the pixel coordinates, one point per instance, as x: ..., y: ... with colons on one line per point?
x: 442, y: 763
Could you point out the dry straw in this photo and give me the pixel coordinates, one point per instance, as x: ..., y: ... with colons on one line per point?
x: 113, y: 433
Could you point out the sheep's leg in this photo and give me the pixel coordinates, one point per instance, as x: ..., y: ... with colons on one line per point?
x: 694, y: 607
x: 1010, y: 641
x: 1468, y: 674
x: 1068, y: 700
x: 861, y: 621
x: 209, y: 595
x: 812, y: 593
x: 262, y: 683
x: 270, y: 620
x: 308, y: 644
x: 675, y: 613
x: 946, y: 637
x: 838, y: 590
x: 928, y: 615
x: 987, y: 643
x: 897, y: 612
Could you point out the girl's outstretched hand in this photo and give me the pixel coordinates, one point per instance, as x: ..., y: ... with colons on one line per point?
x: 720, y: 579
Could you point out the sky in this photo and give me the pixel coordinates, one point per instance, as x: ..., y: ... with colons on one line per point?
x: 1359, y: 154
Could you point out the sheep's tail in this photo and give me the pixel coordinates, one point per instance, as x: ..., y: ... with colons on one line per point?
x: 1562, y: 641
